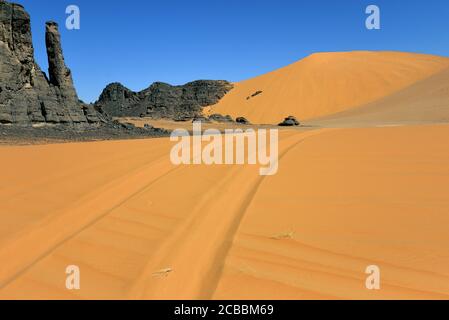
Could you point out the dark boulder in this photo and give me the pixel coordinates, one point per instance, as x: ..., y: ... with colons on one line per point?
x: 290, y: 121
x: 242, y: 120
x: 221, y: 118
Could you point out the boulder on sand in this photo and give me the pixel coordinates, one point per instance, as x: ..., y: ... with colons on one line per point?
x: 220, y: 118
x: 242, y: 120
x: 290, y: 121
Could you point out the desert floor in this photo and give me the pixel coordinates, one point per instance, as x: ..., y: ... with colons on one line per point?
x: 140, y: 227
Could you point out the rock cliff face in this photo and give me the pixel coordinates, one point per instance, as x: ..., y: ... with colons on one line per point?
x: 27, y: 96
x: 117, y: 100
x: 162, y: 100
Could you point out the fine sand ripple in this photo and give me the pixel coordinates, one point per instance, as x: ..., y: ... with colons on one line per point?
x: 356, y: 197
x: 139, y: 227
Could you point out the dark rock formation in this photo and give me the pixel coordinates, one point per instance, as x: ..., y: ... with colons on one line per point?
x: 60, y: 75
x: 242, y: 120
x: 161, y: 100
x: 59, y: 133
x: 116, y: 100
x: 26, y: 95
x: 290, y: 121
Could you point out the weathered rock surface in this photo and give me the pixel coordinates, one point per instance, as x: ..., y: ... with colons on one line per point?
x: 161, y: 100
x: 117, y: 100
x: 27, y: 96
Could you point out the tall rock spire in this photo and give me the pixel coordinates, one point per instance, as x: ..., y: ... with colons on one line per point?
x: 60, y: 75
x: 26, y: 95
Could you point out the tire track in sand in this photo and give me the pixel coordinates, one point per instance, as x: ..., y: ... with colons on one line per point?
x: 196, y: 251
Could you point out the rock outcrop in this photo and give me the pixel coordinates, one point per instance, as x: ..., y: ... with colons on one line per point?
x: 162, y: 100
x: 117, y: 100
x: 27, y: 96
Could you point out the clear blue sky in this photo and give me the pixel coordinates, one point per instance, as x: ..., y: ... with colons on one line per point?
x: 137, y: 42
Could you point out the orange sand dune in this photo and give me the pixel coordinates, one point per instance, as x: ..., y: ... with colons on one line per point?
x: 139, y: 227
x: 327, y: 83
x: 426, y: 101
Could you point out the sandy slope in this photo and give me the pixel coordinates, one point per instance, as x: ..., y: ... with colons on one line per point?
x: 125, y: 215
x: 426, y: 101
x: 327, y: 83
